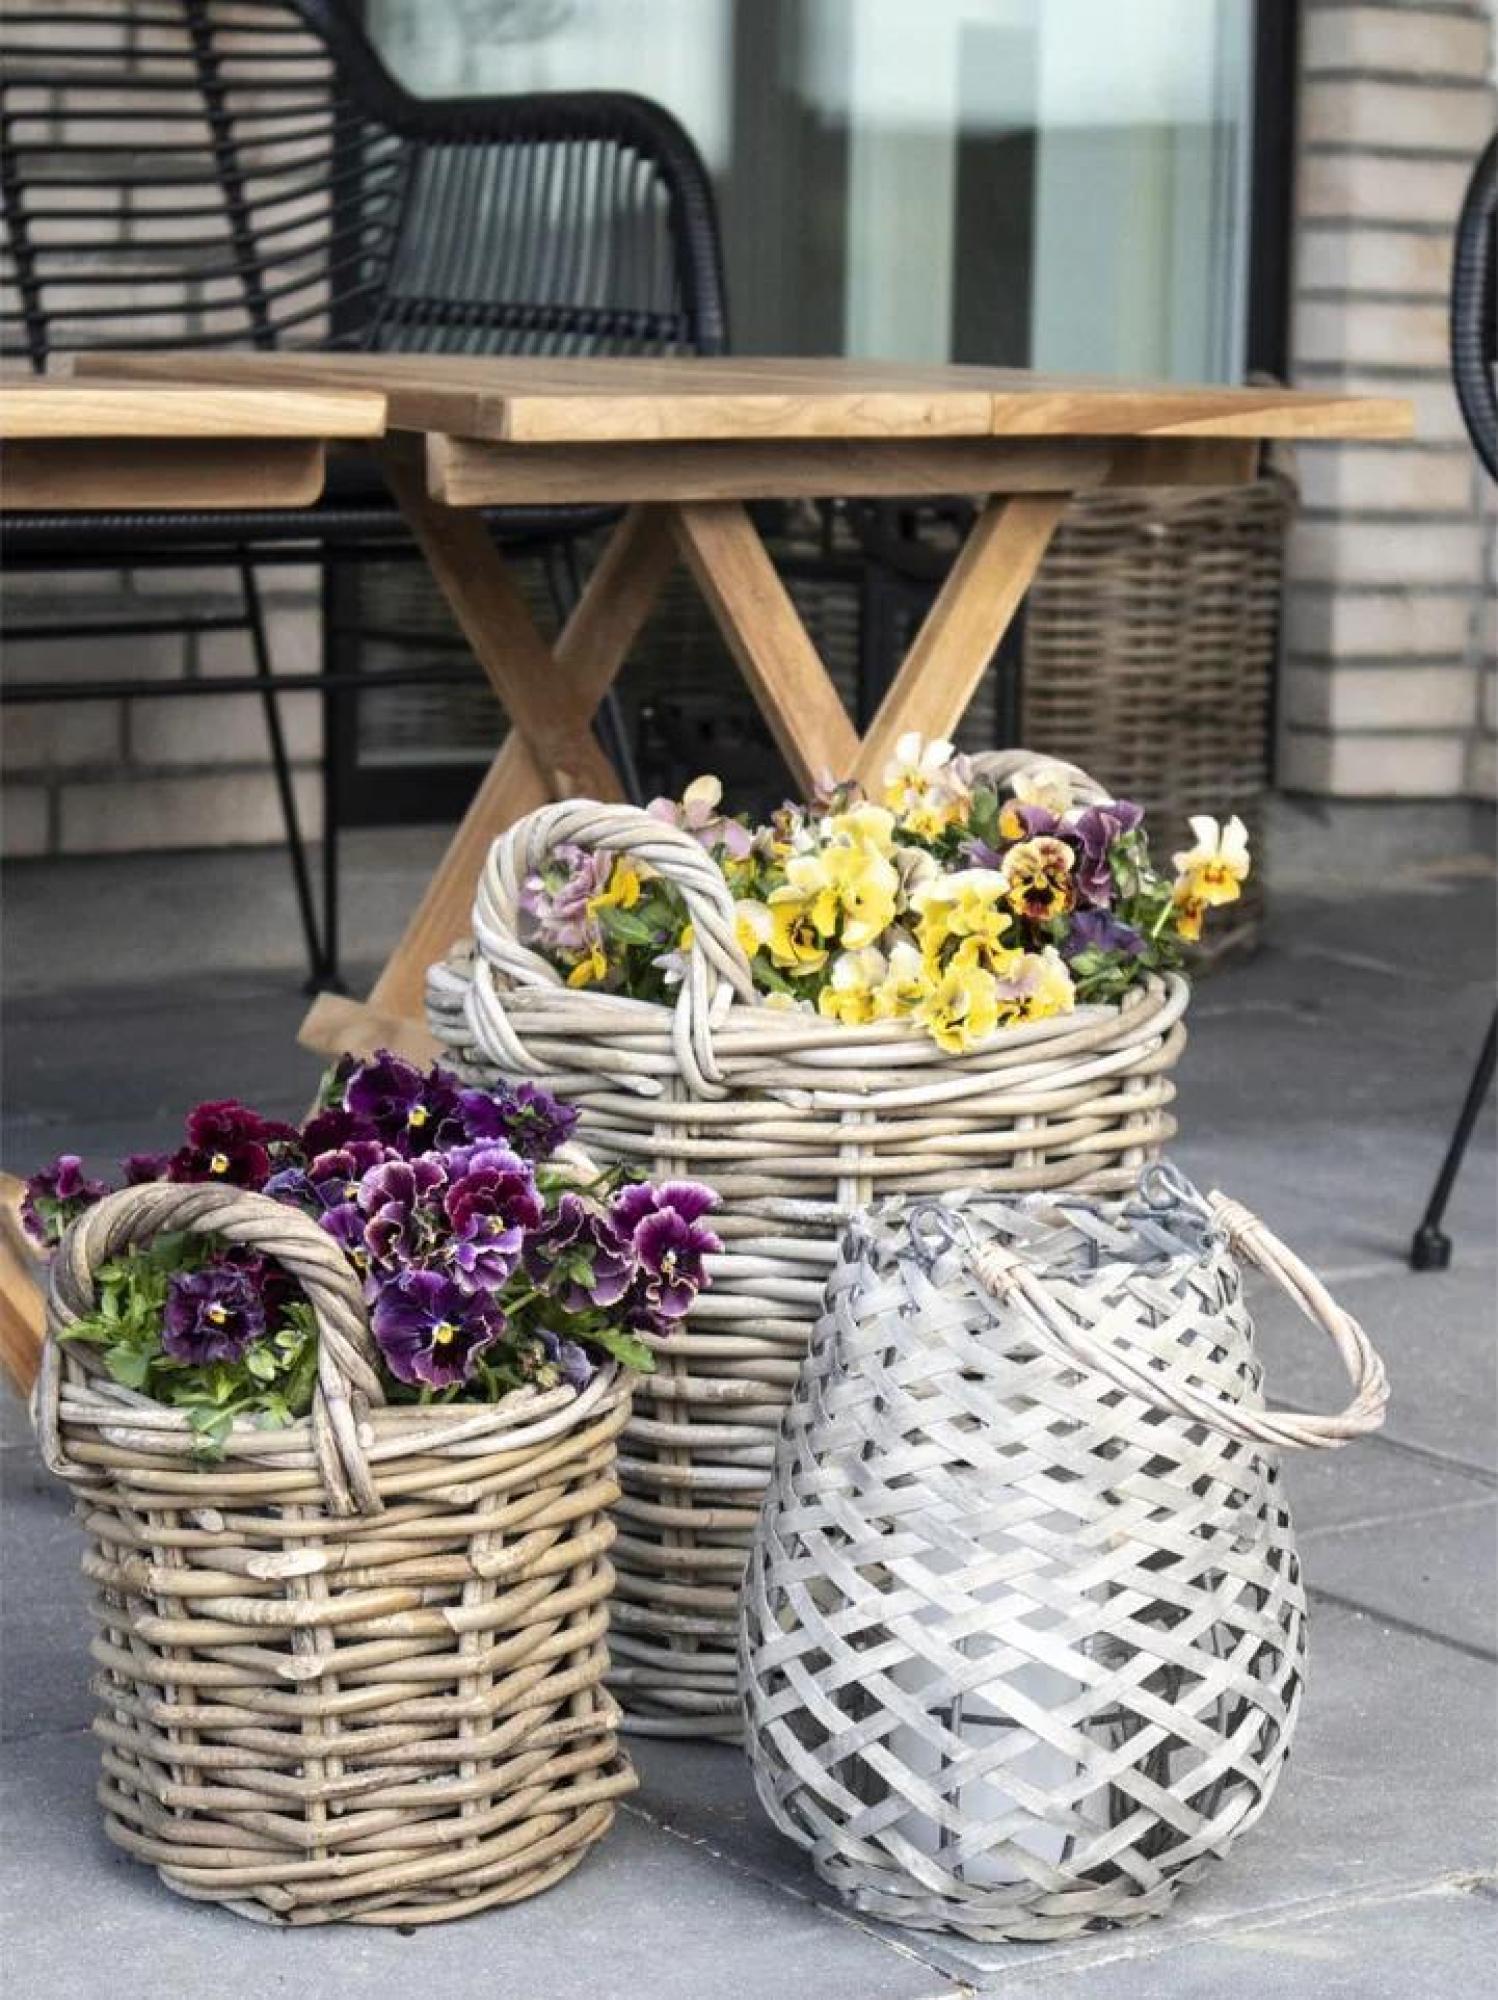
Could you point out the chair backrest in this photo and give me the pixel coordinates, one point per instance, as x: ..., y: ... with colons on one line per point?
x: 246, y: 172
x: 1474, y: 308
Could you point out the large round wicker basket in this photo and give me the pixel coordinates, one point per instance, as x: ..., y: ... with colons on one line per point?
x: 354, y: 1670
x: 1024, y: 1629
x: 798, y: 1121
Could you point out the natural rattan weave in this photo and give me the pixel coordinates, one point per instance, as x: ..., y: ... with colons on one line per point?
x: 355, y: 1670
x: 1149, y: 647
x: 1022, y: 1632
x: 797, y: 1121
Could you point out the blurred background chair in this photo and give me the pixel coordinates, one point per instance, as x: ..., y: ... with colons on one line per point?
x: 1474, y: 360
x: 203, y: 173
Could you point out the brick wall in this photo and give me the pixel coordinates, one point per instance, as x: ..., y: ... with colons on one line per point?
x: 1391, y: 672
x: 136, y: 773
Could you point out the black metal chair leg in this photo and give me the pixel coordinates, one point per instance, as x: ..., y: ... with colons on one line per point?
x: 1431, y: 1248
x: 340, y: 711
x: 301, y: 875
x: 565, y: 582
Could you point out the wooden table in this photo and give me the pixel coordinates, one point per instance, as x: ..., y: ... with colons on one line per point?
x: 682, y: 445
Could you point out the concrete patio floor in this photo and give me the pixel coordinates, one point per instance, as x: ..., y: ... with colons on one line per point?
x: 1319, y: 1086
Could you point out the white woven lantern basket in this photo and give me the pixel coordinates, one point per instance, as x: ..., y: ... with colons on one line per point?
x: 798, y: 1121
x: 1022, y: 1637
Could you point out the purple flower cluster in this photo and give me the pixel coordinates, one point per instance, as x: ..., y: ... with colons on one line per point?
x: 481, y: 1264
x: 1092, y: 833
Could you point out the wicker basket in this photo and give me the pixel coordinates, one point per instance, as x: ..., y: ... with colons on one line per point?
x: 798, y: 1121
x: 1150, y: 639
x: 356, y: 1669
x: 1023, y: 1629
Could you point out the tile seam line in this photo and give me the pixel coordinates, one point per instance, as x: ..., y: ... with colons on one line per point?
x: 836, y: 1911
x: 1485, y: 1654
x: 1441, y: 1509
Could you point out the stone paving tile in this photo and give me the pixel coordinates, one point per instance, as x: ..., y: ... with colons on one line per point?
x: 44, y: 1624
x: 1438, y: 1334
x: 1371, y: 1483
x: 647, y: 1916
x: 1435, y: 1571
x: 1345, y: 1825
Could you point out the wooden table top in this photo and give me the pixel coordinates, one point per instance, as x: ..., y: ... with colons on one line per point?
x: 81, y: 407
x: 617, y: 401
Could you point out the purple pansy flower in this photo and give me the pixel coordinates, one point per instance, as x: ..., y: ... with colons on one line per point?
x: 580, y: 1255
x: 1093, y: 832
x: 140, y: 1167
x: 405, y: 1108
x: 1100, y: 930
x: 211, y: 1315
x: 489, y: 1208
x: 570, y: 1360
x: 392, y: 1198
x: 530, y: 1119
x: 665, y: 1231
x: 333, y: 1127
x: 228, y: 1142
x: 55, y: 1196
x: 556, y: 904
x: 430, y: 1330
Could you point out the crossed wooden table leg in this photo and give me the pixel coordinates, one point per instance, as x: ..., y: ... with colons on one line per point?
x: 551, y: 693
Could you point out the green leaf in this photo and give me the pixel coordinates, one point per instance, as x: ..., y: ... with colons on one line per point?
x: 261, y: 1362
x: 129, y: 1365
x: 624, y: 1347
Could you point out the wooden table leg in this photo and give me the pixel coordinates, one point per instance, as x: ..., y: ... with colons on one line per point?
x: 620, y: 592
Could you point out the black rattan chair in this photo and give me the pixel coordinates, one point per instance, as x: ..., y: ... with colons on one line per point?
x: 201, y: 173
x: 1474, y: 371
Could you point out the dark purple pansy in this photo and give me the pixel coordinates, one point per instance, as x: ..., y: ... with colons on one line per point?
x: 406, y: 1108
x: 581, y: 1255
x: 430, y: 1330
x: 55, y: 1196
x: 211, y: 1315
x: 336, y: 1126
x: 1092, y: 832
x: 141, y: 1167
x: 533, y: 1121
x: 666, y: 1234
x: 1099, y: 930
x: 228, y: 1142
x: 489, y: 1208
x: 394, y: 1199
x: 570, y: 1361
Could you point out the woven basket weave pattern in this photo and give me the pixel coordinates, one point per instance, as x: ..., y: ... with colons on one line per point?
x: 798, y: 1122
x: 1022, y: 1648
x: 356, y: 1669
x: 1149, y: 648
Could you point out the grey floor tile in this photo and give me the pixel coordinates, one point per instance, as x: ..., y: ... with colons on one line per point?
x: 1437, y: 1332
x: 646, y: 1917
x: 1438, y: 1945
x: 1373, y: 1483
x: 1435, y: 1571
x: 44, y: 1624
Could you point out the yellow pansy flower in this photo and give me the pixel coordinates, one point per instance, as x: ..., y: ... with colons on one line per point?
x: 622, y: 892
x: 1038, y: 878
x: 966, y: 903
x: 591, y: 967
x: 926, y: 785
x: 1039, y: 986
x: 850, y: 992
x: 867, y: 826
x: 850, y: 893
x: 753, y: 926
x: 1189, y: 910
x: 961, y: 1009
x: 1214, y: 870
x: 907, y: 981
x: 795, y: 940
x: 985, y: 952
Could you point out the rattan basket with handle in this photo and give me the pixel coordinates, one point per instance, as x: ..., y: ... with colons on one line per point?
x: 355, y: 1669
x: 797, y: 1121
x: 1023, y: 1630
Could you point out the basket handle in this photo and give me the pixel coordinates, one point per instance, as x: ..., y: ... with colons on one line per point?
x: 717, y: 972
x: 348, y: 1378
x: 1009, y: 1277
